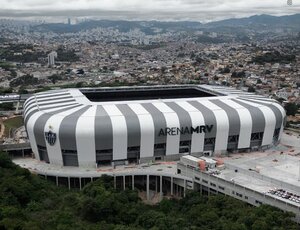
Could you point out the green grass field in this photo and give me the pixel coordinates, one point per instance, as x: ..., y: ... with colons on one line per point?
x: 11, y: 124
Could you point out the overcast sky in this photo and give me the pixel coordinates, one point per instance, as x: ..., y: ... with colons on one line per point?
x: 201, y: 10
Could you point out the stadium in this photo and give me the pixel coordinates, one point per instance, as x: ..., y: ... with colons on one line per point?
x: 91, y: 127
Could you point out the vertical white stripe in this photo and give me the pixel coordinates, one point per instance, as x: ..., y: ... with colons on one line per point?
x: 119, y: 132
x: 222, y: 125
x: 245, y: 123
x: 270, y: 122
x: 53, y: 124
x: 147, y: 130
x: 172, y: 120
x: 270, y: 119
x: 85, y: 138
x: 30, y: 132
x: 197, y: 143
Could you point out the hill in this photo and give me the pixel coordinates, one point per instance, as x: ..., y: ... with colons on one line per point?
x: 260, y: 22
x: 257, y: 23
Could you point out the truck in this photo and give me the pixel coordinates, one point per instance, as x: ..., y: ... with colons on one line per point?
x: 193, y: 162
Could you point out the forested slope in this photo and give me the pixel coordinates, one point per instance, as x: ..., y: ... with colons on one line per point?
x: 28, y: 202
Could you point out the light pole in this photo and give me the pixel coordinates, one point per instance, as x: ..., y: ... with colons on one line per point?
x: 299, y: 172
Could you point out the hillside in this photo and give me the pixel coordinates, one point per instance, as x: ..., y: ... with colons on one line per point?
x: 28, y: 202
x: 257, y: 23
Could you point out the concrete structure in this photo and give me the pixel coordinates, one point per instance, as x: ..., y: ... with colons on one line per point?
x: 112, y: 126
x: 51, y: 58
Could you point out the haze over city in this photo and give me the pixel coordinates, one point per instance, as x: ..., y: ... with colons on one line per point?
x: 197, y: 10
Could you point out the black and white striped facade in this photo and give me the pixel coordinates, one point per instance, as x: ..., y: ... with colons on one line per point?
x: 66, y: 128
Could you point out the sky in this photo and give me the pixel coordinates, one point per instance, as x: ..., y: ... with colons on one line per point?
x: 199, y: 10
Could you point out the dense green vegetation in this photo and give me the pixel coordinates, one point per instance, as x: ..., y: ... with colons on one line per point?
x: 207, y: 39
x: 28, y: 202
x: 5, y: 90
x: 6, y: 66
x: 66, y: 55
x: 291, y: 109
x: 12, y: 124
x: 24, y: 81
x: 7, y: 106
x: 24, y: 53
x: 20, y: 53
x: 146, y: 47
x: 274, y: 57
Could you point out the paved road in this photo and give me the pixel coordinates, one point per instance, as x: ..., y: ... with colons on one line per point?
x: 291, y: 140
x: 14, y: 97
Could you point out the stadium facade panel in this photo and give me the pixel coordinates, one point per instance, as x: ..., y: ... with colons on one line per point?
x: 92, y: 127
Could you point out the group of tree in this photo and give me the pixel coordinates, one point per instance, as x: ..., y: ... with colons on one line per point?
x: 207, y: 39
x: 7, y: 106
x: 274, y: 57
x: 24, y: 80
x: 224, y: 70
x: 54, y: 78
x: 29, y: 202
x: 240, y: 74
x: 65, y: 55
x: 8, y: 67
x: 21, y: 53
x: 291, y: 109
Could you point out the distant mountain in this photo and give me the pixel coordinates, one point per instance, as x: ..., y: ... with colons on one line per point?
x: 148, y: 27
x: 256, y: 23
x: 260, y: 20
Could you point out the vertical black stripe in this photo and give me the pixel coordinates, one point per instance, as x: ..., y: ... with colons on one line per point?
x: 159, y: 122
x: 209, y: 118
x: 103, y: 130
x: 233, y: 117
x: 258, y: 118
x: 184, y: 120
x: 67, y: 130
x: 133, y: 126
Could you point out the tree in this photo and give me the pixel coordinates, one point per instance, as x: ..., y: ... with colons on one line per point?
x: 22, y: 90
x: 163, y: 69
x: 5, y: 161
x: 251, y: 89
x: 225, y: 70
x: 280, y: 100
x: 291, y: 109
x: 54, y: 78
x: 7, y: 106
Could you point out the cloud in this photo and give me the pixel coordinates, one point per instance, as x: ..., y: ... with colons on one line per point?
x: 160, y: 9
